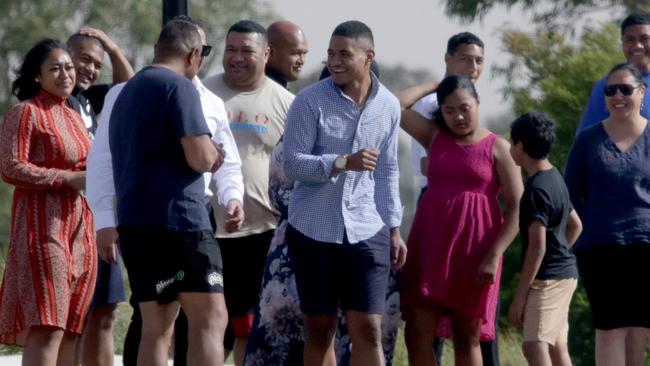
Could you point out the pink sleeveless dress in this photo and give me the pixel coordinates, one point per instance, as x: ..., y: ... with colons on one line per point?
x: 456, y: 223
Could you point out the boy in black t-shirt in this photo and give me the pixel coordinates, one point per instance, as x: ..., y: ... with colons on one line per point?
x: 549, y: 226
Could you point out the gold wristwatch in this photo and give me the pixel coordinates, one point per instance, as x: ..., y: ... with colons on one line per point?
x: 341, y: 162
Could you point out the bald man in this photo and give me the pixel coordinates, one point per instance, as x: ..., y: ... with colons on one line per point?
x: 288, y: 50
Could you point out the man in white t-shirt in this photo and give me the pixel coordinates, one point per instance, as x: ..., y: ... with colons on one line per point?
x: 464, y: 57
x: 256, y: 107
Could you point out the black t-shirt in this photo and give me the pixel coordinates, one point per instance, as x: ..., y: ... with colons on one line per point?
x: 89, y: 104
x: 546, y: 199
x: 95, y: 95
x: 155, y: 186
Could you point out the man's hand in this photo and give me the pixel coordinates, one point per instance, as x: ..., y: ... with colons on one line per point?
x: 106, y: 41
x: 234, y: 216
x: 397, y: 249
x: 107, y: 244
x: 221, y: 155
x: 516, y: 311
x: 364, y: 159
x: 487, y: 270
x: 76, y: 180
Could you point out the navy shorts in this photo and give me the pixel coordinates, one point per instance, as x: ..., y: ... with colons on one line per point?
x: 109, y: 287
x: 331, y: 275
x: 162, y: 263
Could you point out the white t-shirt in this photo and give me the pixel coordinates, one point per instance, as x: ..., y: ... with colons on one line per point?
x: 257, y: 123
x: 426, y: 107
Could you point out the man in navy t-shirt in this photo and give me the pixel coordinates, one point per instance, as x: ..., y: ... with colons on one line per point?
x: 160, y: 146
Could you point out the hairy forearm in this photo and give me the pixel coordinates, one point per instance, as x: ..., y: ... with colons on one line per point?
x: 122, y: 70
x: 409, y: 96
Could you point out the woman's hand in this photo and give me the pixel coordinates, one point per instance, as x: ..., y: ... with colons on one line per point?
x: 487, y: 270
x: 107, y: 239
x: 76, y: 180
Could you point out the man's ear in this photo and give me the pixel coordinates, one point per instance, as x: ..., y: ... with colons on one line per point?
x: 194, y: 53
x: 267, y: 53
x: 370, y: 56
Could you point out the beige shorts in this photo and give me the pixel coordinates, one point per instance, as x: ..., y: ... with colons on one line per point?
x: 546, y: 315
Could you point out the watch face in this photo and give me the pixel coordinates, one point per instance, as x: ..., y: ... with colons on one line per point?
x: 340, y: 162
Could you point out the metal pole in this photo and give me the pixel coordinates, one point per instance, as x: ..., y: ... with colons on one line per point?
x: 172, y: 8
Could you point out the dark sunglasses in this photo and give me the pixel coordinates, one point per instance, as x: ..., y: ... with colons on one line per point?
x: 626, y: 89
x: 205, y: 50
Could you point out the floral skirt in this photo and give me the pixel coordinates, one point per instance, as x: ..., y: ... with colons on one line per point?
x: 277, y: 334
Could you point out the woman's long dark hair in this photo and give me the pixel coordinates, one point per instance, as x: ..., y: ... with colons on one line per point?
x: 25, y: 85
x: 447, y: 87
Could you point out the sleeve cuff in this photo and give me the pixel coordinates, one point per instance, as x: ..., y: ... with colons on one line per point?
x: 231, y: 194
x: 104, y: 219
x: 327, y: 163
x: 395, y: 219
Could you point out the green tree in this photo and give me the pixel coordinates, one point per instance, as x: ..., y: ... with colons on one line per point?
x: 550, y: 11
x: 549, y: 73
x: 133, y: 24
x: 546, y: 72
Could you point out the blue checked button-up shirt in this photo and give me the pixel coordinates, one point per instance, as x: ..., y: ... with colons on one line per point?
x: 323, y: 123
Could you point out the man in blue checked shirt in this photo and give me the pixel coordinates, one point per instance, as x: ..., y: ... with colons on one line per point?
x: 340, y: 146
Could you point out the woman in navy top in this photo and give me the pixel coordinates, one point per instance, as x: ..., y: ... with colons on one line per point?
x: 608, y: 176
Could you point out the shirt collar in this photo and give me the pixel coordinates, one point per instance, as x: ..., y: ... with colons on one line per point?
x: 50, y: 98
x: 374, y: 89
x: 198, y: 85
x: 275, y: 76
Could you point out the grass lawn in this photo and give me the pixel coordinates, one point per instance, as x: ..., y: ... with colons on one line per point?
x: 509, y: 350
x: 509, y: 343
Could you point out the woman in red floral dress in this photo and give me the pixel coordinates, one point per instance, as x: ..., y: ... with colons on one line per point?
x: 51, y: 263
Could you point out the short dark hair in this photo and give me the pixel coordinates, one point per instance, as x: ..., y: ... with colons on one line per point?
x: 633, y: 70
x: 354, y: 29
x: 635, y: 19
x: 248, y: 26
x: 187, y: 18
x: 78, y: 37
x: 447, y: 87
x: 178, y: 37
x: 459, y: 39
x: 536, y: 132
x: 25, y: 85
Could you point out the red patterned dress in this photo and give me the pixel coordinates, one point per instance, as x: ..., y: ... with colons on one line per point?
x: 51, y: 263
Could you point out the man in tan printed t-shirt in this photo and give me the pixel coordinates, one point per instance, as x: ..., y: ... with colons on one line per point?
x: 257, y: 107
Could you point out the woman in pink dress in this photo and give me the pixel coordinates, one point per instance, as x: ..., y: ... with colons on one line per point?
x: 450, y: 282
x: 51, y: 264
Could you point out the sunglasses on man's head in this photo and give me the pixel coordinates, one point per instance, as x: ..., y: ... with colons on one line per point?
x: 205, y: 50
x: 626, y: 89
